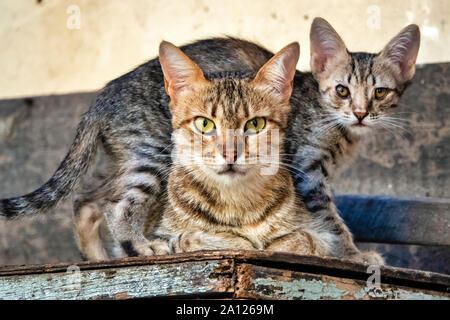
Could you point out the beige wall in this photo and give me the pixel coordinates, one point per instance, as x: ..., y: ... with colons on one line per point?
x: 43, y: 52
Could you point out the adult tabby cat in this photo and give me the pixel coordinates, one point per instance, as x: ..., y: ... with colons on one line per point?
x: 227, y: 193
x: 346, y: 95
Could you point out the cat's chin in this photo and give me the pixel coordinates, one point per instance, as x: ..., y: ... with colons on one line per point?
x: 229, y: 175
x: 359, y: 129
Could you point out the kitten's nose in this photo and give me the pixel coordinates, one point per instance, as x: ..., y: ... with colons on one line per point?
x: 360, y: 115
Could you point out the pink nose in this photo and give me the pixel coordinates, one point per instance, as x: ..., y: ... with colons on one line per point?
x: 360, y: 115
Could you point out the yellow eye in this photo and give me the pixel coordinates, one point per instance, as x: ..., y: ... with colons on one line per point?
x: 255, y: 125
x: 204, y: 125
x: 342, y: 91
x: 380, y: 93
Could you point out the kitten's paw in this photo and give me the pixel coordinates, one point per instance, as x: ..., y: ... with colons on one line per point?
x: 186, y: 241
x: 368, y: 257
x: 160, y: 247
x: 143, y: 250
x: 153, y: 248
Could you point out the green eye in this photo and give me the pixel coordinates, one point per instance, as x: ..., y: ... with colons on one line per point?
x: 204, y: 125
x: 255, y: 125
x: 380, y: 93
x: 342, y: 91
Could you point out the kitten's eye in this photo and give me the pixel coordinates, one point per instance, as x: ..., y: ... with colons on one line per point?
x: 255, y: 125
x: 204, y: 125
x: 342, y: 91
x: 380, y: 93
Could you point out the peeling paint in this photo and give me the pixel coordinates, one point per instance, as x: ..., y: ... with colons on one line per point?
x: 395, y: 294
x: 302, y: 289
x: 132, y: 282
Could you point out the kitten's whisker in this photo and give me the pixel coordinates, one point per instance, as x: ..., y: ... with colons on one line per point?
x: 322, y: 130
x: 391, y: 130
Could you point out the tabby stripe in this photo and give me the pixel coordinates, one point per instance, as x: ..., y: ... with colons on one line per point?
x: 345, y: 135
x: 332, y: 154
x: 202, y: 192
x: 369, y: 105
x: 318, y: 207
x: 324, y: 170
x: 128, y: 247
x: 335, y: 224
x: 197, y: 212
x: 313, y: 166
x: 214, y: 109
x: 189, y: 182
x: 339, y: 148
x: 133, y: 132
x: 370, y: 68
x: 316, y: 165
x: 352, y: 64
x: 315, y: 196
x: 145, y: 188
x: 154, y: 170
x: 280, y: 197
x: 279, y: 125
x: 246, y: 112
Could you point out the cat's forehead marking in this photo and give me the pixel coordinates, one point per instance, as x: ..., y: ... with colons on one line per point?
x: 383, y: 74
x: 362, y: 68
x: 231, y: 101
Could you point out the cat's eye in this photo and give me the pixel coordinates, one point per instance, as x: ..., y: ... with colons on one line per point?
x: 204, y: 125
x: 342, y: 91
x: 380, y: 93
x: 255, y: 125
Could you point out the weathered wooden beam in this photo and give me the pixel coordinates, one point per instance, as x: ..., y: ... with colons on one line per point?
x: 424, y: 221
x: 226, y: 274
x: 142, y: 281
x: 258, y: 282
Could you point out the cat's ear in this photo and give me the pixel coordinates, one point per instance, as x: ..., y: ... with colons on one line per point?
x: 277, y: 75
x: 180, y: 72
x: 327, y: 48
x: 402, y: 51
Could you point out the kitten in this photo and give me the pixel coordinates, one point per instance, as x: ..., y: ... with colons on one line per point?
x: 218, y: 197
x: 354, y: 94
x: 131, y: 119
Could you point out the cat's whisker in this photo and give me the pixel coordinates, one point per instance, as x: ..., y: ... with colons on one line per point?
x: 322, y: 130
x: 394, y: 120
x: 394, y: 124
x: 390, y: 129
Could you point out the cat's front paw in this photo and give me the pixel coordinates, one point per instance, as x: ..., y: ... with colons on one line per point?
x: 160, y: 247
x: 368, y: 257
x: 153, y: 248
x: 187, y: 241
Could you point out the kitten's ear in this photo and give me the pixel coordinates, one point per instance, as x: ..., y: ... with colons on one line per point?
x: 180, y: 72
x: 327, y: 47
x: 402, y: 51
x: 277, y: 75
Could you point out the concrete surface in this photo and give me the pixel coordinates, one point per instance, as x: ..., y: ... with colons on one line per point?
x: 64, y: 46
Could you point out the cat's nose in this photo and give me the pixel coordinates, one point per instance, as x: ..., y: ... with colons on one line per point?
x: 360, y: 115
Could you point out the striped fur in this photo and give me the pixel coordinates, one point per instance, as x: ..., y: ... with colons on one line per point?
x: 65, y: 179
x: 247, y: 210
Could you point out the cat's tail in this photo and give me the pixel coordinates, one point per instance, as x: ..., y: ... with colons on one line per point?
x: 63, y: 181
